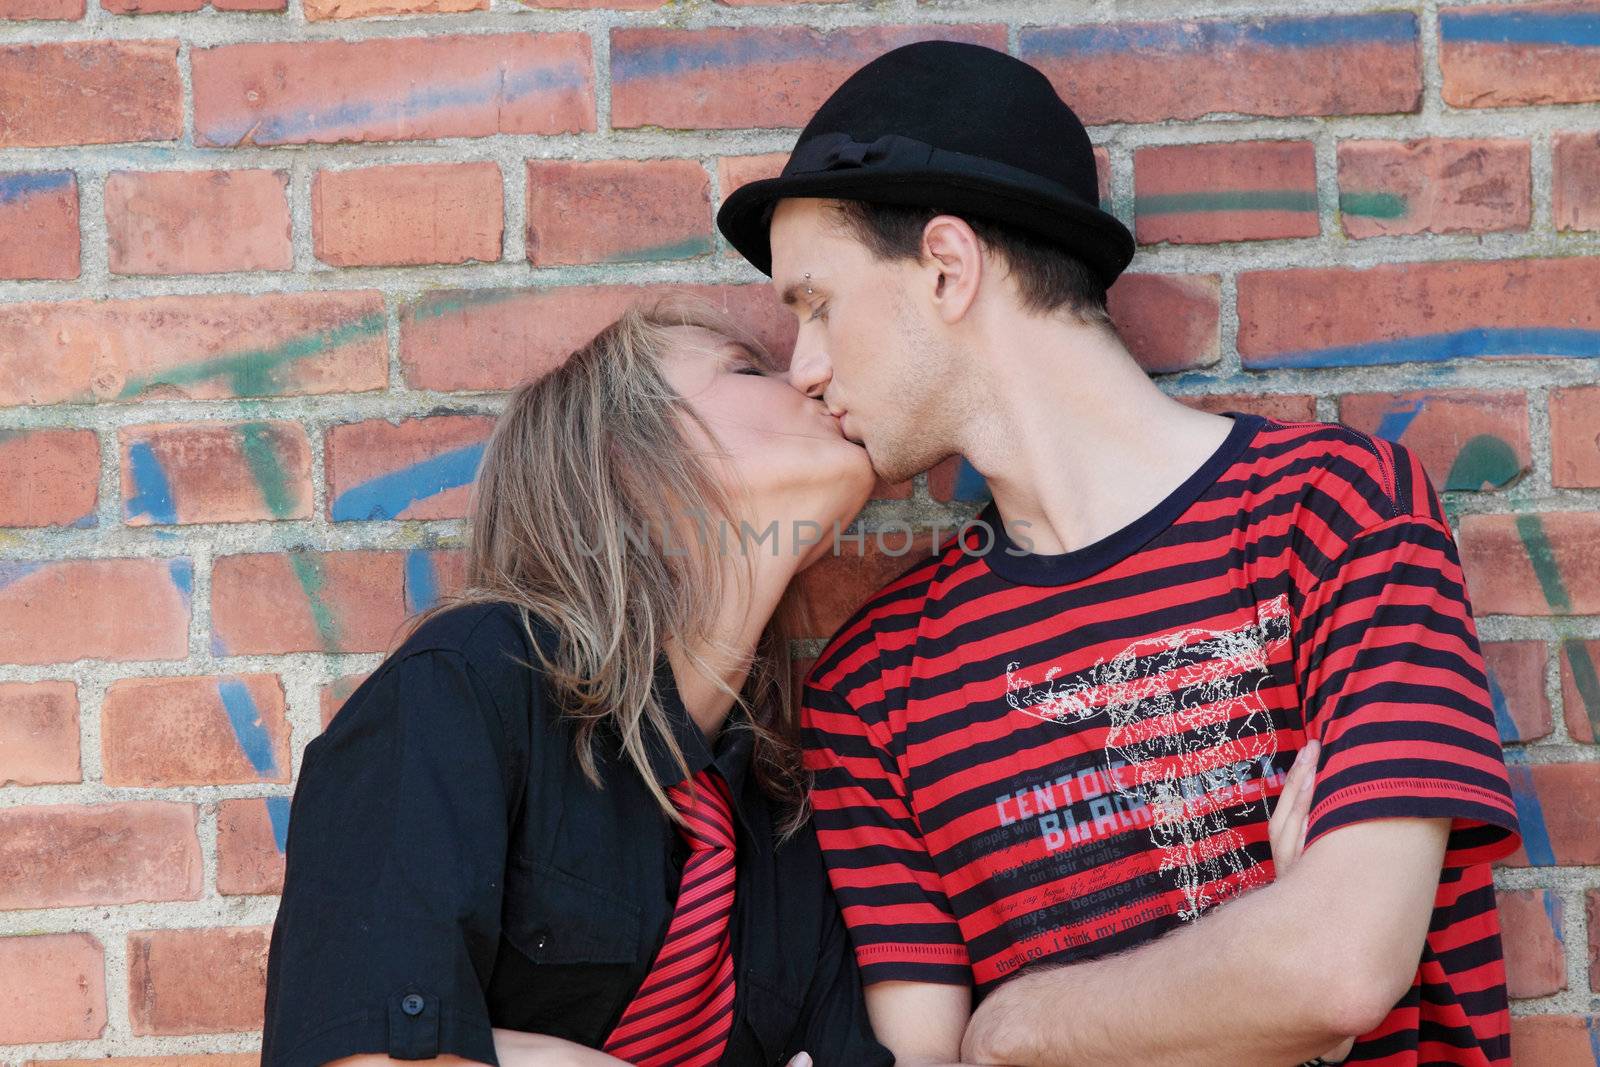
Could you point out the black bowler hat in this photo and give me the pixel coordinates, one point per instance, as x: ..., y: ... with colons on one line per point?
x: 953, y: 126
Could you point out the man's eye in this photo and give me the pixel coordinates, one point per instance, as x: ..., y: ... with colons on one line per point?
x: 750, y: 370
x: 820, y: 313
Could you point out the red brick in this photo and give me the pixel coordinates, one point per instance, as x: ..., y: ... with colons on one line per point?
x: 298, y: 92
x: 681, y: 79
x: 53, y: 987
x: 359, y: 9
x: 1576, y: 181
x: 1406, y: 312
x: 49, y: 477
x: 1152, y: 71
x: 249, y: 857
x: 734, y: 171
x: 1516, y: 669
x: 215, y: 472
x: 198, y: 981
x: 1434, y: 185
x: 490, y: 339
x: 1466, y: 439
x: 1575, y: 437
x: 407, y: 214
x: 152, y: 7
x: 1581, y: 703
x: 162, y: 7
x: 39, y: 210
x: 90, y: 92
x: 192, y: 347
x: 335, y: 693
x: 942, y: 478
x: 1236, y: 191
x: 433, y: 573
x: 1591, y: 910
x: 70, y: 10
x: 1496, y: 550
x: 1555, y: 1040
x: 882, y: 490
x: 426, y: 465
x: 60, y: 611
x: 273, y: 602
x: 1531, y: 931
x: 840, y: 581
x: 39, y: 733
x: 1567, y: 794
x: 1169, y: 322
x: 198, y: 221
x: 1289, y: 407
x: 227, y: 730
x: 617, y: 210
x: 64, y: 855
x: 1509, y: 55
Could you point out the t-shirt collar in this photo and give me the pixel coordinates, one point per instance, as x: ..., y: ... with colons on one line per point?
x: 1031, y: 568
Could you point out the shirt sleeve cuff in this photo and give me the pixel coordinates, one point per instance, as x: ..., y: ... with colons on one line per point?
x: 411, y: 1025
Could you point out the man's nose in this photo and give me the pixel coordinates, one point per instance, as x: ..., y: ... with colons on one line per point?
x: 809, y: 368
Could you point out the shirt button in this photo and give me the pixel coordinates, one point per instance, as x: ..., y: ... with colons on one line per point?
x: 542, y: 940
x: 412, y: 1005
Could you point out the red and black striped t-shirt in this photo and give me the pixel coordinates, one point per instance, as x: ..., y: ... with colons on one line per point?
x: 1022, y: 757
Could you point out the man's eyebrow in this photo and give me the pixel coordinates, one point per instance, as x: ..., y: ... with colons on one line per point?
x: 791, y: 295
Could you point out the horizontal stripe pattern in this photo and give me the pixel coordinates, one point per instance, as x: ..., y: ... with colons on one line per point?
x: 1009, y: 770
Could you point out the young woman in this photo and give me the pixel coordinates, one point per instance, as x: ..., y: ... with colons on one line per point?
x: 564, y: 820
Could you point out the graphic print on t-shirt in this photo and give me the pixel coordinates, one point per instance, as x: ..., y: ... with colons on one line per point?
x: 1185, y: 730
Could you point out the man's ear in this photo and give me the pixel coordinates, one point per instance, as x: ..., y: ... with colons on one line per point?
x: 953, y: 259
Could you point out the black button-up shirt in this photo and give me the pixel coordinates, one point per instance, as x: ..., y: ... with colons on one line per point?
x: 450, y: 869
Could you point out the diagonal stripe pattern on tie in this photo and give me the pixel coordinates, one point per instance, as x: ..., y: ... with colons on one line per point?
x: 682, y: 1013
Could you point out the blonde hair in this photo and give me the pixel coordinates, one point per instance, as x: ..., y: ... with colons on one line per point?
x: 580, y: 458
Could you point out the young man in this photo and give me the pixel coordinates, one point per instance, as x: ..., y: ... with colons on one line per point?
x: 1046, y: 756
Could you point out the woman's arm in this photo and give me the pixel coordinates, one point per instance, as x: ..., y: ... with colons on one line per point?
x: 513, y: 1048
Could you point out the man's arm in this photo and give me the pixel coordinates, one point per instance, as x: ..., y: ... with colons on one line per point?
x: 1275, y: 975
x: 920, y: 1022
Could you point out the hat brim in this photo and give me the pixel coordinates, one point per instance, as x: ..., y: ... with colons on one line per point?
x: 1096, y: 237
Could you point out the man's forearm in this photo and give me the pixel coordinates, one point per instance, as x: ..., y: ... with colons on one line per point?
x: 519, y: 1048
x: 1233, y: 987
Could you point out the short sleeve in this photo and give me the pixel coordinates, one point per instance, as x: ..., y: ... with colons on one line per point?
x: 1392, y: 683
x: 389, y: 921
x: 891, y: 897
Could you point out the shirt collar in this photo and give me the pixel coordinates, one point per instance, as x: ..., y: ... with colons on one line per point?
x: 733, y: 748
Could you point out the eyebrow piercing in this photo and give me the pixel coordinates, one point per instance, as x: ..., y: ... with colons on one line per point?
x: 809, y: 290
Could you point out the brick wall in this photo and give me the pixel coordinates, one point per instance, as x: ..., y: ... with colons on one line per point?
x: 267, y: 269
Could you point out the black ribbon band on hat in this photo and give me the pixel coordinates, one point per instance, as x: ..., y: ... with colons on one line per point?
x: 828, y: 152
x: 838, y: 151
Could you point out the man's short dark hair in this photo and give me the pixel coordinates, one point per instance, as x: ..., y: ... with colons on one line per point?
x: 1048, y: 277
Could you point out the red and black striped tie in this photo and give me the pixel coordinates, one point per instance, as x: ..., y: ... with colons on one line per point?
x: 683, y: 1012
